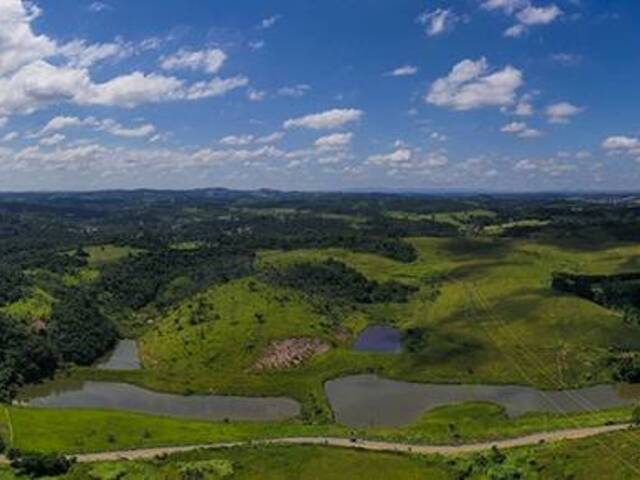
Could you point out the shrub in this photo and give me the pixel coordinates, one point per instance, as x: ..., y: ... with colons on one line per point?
x: 41, y: 464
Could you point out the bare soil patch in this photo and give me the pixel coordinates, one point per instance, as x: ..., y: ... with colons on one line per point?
x: 290, y: 352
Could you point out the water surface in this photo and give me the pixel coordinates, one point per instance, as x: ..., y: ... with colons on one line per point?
x: 379, y: 338
x: 122, y: 396
x: 123, y: 357
x: 369, y: 400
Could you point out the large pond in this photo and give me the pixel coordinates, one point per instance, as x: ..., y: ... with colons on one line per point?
x: 369, y: 400
x: 379, y: 338
x: 122, y: 396
x: 123, y: 357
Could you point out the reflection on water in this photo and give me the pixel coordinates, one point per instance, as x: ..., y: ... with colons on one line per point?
x: 379, y: 338
x: 368, y: 400
x: 122, y: 396
x: 123, y: 357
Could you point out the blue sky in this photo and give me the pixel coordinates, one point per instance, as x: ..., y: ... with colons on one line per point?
x: 499, y: 95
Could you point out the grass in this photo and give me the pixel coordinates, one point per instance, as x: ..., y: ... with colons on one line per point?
x: 83, y: 430
x: 495, y: 320
x: 105, y: 254
x: 37, y: 305
x: 606, y: 456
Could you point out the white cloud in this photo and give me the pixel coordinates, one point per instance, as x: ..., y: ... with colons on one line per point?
x: 256, y: 95
x: 271, y: 138
x: 524, y: 107
x: 401, y: 155
x: 108, y: 125
x: 97, y: 7
x: 236, y: 140
x: 404, y: 71
x: 526, y: 14
x: 567, y: 59
x: 521, y: 130
x: 213, y: 88
x: 337, y: 140
x: 80, y: 54
x: 515, y: 31
x: 257, y: 44
x: 294, y: 90
x: 114, y: 128
x: 269, y: 22
x: 470, y: 85
x: 538, y: 15
x: 326, y: 120
x: 61, y: 123
x: 621, y: 142
x: 562, y: 112
x: 19, y: 46
x: 210, y: 60
x: 54, y: 139
x: 508, y: 6
x: 9, y: 137
x: 438, y: 21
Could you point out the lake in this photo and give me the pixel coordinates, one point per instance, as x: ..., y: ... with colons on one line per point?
x: 369, y: 400
x: 379, y: 338
x: 122, y: 396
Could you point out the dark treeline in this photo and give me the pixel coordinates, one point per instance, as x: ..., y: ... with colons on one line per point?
x: 336, y: 281
x: 24, y: 357
x: 618, y: 291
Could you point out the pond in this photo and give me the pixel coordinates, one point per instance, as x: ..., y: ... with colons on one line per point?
x: 122, y: 396
x: 369, y: 400
x: 123, y: 357
x: 379, y: 338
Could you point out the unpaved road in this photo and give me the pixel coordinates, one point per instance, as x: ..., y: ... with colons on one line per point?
x: 556, y: 436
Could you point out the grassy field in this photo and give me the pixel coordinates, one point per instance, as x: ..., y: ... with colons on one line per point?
x: 486, y: 305
x: 577, y: 460
x: 79, y: 430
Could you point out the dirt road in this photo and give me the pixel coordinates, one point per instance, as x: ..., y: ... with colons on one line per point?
x: 556, y: 436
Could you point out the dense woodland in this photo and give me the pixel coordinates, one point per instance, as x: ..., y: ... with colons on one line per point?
x: 183, y: 242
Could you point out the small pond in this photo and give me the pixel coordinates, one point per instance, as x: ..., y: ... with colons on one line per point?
x: 369, y: 400
x: 123, y: 357
x: 379, y: 338
x: 122, y: 396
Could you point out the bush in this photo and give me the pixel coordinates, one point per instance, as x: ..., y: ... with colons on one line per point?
x: 40, y: 464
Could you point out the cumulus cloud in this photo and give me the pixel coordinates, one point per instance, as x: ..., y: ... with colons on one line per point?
x: 299, y: 90
x: 538, y: 15
x: 97, y: 7
x: 19, y: 45
x: 329, y: 119
x: 521, y: 130
x: 30, y: 81
x: 271, y: 138
x: 438, y: 21
x: 256, y: 95
x: 562, y: 112
x: 269, y: 22
x: 401, y: 155
x: 404, y: 71
x: 52, y: 140
x: 80, y: 54
x: 526, y: 14
x: 209, y: 61
x: 9, y: 137
x: 108, y: 125
x: 622, y: 143
x: 337, y: 140
x: 236, y: 140
x: 508, y: 6
x: 471, y: 85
